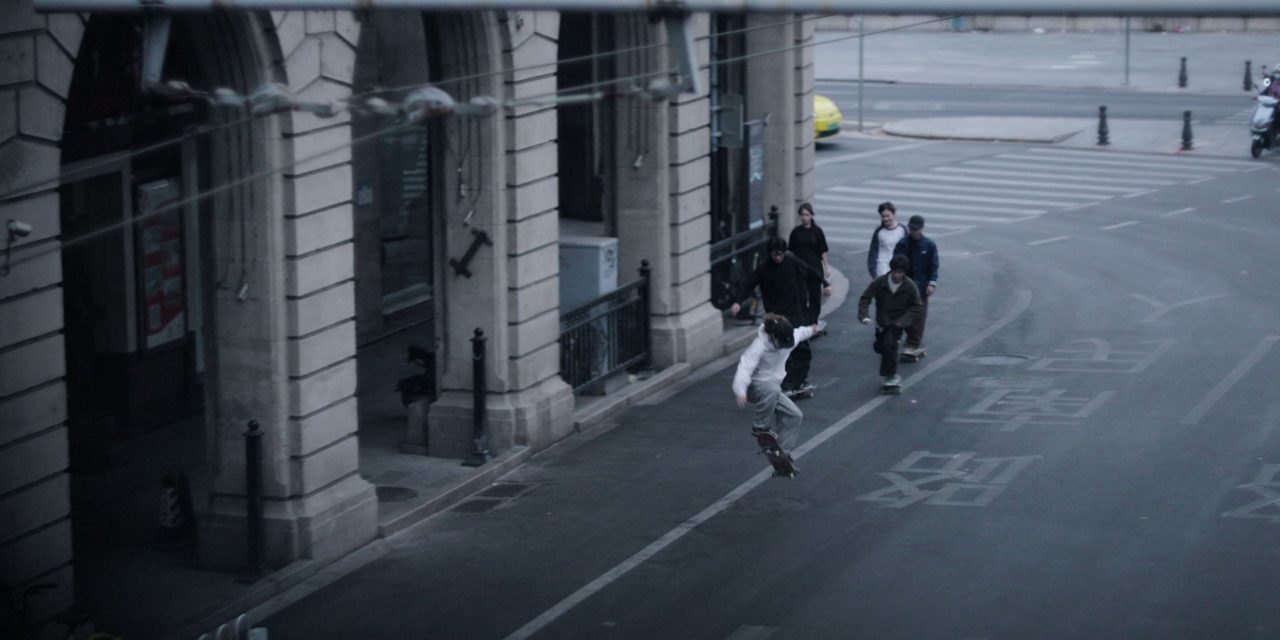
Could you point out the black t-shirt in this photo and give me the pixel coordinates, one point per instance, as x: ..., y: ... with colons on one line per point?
x: 808, y: 245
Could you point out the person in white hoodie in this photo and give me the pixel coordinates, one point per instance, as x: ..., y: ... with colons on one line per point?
x: 759, y: 378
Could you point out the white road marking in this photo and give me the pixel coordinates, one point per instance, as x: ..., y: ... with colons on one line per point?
x: 922, y: 203
x: 1139, y: 193
x: 873, y: 152
x: 1044, y: 164
x: 1215, y: 394
x: 1030, y: 183
x: 1048, y: 240
x: 1178, y: 212
x: 929, y: 215
x: 1122, y: 224
x: 1161, y: 308
x: 1205, y: 164
x: 1144, y: 182
x: 949, y: 188
x: 1237, y: 199
x: 1099, y: 164
x: 671, y: 537
x: 933, y: 194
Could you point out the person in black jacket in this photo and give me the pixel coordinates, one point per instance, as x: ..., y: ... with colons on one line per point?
x: 923, y: 270
x: 782, y: 281
x: 897, y: 302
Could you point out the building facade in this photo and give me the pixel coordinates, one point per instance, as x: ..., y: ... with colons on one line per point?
x: 191, y: 268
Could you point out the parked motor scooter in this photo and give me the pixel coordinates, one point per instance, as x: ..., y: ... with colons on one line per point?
x: 1263, y: 124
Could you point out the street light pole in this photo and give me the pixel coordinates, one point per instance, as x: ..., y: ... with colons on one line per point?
x: 1126, y: 50
x: 861, y: 39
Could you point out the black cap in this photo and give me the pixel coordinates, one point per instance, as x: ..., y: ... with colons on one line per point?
x: 916, y: 222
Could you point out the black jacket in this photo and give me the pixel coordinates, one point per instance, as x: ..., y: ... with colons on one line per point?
x: 923, y: 254
x: 892, y: 308
x: 781, y: 285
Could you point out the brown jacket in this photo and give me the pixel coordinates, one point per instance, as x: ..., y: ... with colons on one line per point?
x: 891, y: 308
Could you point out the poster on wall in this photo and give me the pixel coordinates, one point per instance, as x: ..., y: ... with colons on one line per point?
x: 160, y: 262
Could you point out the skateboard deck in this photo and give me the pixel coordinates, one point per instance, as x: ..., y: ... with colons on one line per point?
x: 801, y: 393
x: 782, y: 463
x: 910, y: 358
x: 890, y: 389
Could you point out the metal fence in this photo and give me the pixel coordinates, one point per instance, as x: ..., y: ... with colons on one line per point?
x: 606, y: 335
x: 735, y: 257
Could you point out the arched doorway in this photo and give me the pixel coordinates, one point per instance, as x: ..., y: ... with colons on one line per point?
x: 141, y: 280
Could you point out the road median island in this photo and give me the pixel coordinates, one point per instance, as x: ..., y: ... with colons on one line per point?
x: 988, y: 129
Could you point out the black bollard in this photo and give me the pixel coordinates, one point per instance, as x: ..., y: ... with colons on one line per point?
x: 1182, y: 74
x: 1186, y: 130
x: 479, y: 449
x: 1248, y: 75
x: 645, y: 272
x: 1104, y: 134
x: 253, y: 502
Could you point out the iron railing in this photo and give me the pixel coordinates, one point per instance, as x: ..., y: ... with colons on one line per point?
x: 735, y: 257
x: 606, y: 335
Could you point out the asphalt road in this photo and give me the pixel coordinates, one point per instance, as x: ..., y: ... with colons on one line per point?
x: 883, y: 102
x: 1091, y: 448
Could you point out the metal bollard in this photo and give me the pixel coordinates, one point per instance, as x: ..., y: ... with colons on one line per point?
x: 1104, y: 134
x: 1248, y: 75
x: 1186, y: 130
x: 253, y: 500
x: 1182, y: 74
x: 479, y: 449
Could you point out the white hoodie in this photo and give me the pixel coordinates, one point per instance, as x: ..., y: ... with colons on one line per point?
x: 763, y: 362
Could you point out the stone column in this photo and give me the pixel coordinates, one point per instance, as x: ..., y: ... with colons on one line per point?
x: 285, y: 343
x: 37, y: 54
x: 513, y: 291
x: 771, y: 87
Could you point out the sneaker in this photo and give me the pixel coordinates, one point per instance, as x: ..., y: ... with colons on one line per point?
x: 893, y: 381
x: 911, y: 351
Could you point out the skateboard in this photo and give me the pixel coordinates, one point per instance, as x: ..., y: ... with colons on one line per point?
x: 913, y: 358
x: 803, y: 392
x: 890, y: 389
x: 782, y: 463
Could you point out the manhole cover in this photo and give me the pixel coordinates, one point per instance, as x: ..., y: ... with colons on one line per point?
x: 506, y: 490
x: 395, y: 494
x: 998, y: 358
x: 476, y: 506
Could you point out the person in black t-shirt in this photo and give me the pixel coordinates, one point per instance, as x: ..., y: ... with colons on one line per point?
x: 809, y: 244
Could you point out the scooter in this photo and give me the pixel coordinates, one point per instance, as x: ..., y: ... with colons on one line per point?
x: 1263, y: 125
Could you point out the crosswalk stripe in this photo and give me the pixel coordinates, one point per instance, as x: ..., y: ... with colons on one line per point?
x: 998, y: 181
x: 1074, y: 166
x: 1137, y: 182
x: 943, y: 195
x: 1198, y: 163
x: 932, y: 215
x: 848, y: 227
x: 891, y: 184
x: 921, y: 202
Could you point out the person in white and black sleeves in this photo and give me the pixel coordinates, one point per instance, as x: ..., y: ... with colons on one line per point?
x: 758, y: 380
x: 897, y: 303
x: 883, y: 240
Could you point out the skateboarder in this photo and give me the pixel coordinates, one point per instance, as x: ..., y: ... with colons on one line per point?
x: 923, y: 270
x: 759, y: 378
x: 782, y: 280
x: 897, y: 303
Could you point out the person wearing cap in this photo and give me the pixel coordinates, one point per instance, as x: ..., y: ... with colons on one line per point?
x: 783, y: 279
x: 758, y: 380
x: 883, y: 240
x: 922, y: 253
x: 897, y: 303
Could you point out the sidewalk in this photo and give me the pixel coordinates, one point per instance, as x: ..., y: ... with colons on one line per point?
x: 133, y: 589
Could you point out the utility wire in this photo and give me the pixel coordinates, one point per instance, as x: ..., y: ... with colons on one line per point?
x: 207, y: 129
x: 569, y: 95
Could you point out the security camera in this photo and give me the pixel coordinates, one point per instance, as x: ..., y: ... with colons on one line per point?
x: 19, y: 229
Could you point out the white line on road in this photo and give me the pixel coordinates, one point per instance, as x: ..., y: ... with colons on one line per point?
x: 1137, y: 183
x: 1117, y: 226
x: 1048, y: 240
x: 936, y: 194
x: 1079, y: 188
x: 1178, y: 212
x: 925, y: 203
x: 609, y: 577
x: 1139, y: 193
x: 1080, y: 172
x: 1237, y: 199
x: 1232, y: 378
x: 874, y: 152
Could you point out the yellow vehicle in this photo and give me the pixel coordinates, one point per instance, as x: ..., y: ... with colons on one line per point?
x: 826, y: 117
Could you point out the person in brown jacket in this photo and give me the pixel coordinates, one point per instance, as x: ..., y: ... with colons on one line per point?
x: 897, y: 302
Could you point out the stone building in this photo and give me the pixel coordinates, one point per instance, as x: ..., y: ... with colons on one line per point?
x: 190, y: 269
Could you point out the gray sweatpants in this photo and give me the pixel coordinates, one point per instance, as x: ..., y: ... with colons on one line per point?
x: 774, y: 411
